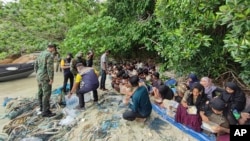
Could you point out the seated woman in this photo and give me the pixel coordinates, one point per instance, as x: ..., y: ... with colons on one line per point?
x: 192, y: 78
x: 214, y: 117
x: 140, y: 106
x: 210, y: 89
x: 235, y: 99
x: 187, y: 111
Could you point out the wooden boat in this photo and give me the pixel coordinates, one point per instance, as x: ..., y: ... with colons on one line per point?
x: 15, y: 71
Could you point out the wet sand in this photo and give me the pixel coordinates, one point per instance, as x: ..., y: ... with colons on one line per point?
x: 25, y: 87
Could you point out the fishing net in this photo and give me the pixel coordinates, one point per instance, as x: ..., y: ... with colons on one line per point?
x: 100, y: 121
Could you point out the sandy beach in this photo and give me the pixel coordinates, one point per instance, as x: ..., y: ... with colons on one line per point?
x: 98, y: 123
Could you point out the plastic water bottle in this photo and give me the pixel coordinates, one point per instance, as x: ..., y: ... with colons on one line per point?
x: 32, y: 139
x: 236, y: 114
x: 72, y: 102
x: 6, y: 100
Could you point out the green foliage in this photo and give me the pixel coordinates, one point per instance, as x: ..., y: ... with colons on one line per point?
x: 136, y: 29
x: 125, y: 35
x: 190, y: 38
x: 208, y: 37
x: 127, y: 10
x: 235, y: 14
x: 93, y: 33
x: 30, y: 25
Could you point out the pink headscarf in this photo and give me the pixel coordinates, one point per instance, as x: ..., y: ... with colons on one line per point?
x: 208, y: 85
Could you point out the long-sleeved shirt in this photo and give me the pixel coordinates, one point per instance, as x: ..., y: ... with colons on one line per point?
x: 235, y: 101
x: 141, y: 102
x: 44, y: 66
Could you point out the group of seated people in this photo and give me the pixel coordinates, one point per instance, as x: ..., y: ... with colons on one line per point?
x: 195, y: 103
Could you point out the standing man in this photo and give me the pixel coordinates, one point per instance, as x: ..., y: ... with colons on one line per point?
x: 67, y: 75
x: 90, y: 57
x: 104, y: 69
x: 44, y: 68
x: 79, y: 59
x: 58, y: 60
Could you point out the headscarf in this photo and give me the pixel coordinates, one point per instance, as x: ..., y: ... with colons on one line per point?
x: 237, y: 99
x: 209, y: 88
x: 234, y: 87
x: 79, y: 54
x: 194, y: 79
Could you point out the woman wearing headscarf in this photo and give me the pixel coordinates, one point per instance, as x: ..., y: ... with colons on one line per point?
x: 192, y: 78
x: 235, y: 99
x: 210, y: 89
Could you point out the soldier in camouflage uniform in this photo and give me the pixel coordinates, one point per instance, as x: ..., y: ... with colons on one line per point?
x: 79, y: 59
x: 44, y: 68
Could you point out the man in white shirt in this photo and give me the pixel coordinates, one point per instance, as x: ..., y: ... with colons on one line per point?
x: 104, y: 69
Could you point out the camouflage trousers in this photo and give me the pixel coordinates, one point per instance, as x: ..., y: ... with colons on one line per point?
x: 44, y: 93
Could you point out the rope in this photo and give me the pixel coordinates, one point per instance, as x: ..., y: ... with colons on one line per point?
x: 51, y: 131
x: 3, y: 136
x: 17, y: 130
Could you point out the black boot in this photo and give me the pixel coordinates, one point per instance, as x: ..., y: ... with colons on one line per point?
x: 48, y: 114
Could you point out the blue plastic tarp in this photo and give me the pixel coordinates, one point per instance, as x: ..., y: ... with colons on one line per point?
x: 199, y: 136
x: 59, y: 89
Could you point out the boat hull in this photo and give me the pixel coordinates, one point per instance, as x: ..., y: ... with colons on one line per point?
x: 15, y: 71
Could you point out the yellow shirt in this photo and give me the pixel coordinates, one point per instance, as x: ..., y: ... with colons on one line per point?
x: 78, y: 78
x: 62, y: 63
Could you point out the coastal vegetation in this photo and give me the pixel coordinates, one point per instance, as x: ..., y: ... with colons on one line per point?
x: 208, y: 37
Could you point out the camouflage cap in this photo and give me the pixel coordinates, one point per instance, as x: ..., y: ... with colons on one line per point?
x: 79, y: 54
x: 52, y: 46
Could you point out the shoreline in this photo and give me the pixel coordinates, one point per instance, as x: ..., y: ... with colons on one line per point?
x: 25, y: 88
